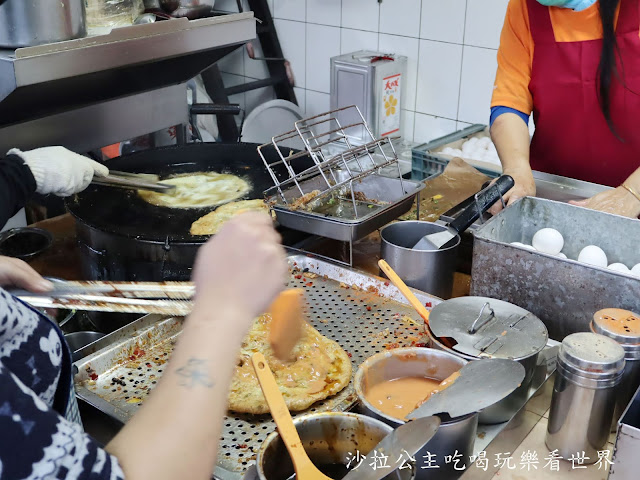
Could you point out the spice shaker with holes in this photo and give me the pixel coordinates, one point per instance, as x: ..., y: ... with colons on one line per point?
x: 623, y: 326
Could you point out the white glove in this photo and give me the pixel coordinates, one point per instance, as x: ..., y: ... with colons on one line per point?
x: 60, y: 171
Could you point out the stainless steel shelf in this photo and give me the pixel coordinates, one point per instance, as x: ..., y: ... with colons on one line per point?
x: 48, y: 79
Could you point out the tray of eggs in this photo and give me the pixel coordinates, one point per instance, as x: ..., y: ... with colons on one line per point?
x: 561, y: 262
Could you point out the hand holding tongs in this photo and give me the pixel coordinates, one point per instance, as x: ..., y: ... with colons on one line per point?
x: 133, y: 181
x: 166, y: 298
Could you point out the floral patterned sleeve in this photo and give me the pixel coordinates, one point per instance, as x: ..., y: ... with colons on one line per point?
x: 43, y: 445
x: 36, y: 441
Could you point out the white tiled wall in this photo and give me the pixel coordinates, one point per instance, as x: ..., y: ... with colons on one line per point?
x: 451, y: 46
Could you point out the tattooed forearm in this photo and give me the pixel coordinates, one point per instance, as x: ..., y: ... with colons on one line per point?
x: 194, y: 374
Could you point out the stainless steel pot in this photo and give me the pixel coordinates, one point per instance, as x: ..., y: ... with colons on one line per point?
x: 430, y: 271
x: 25, y: 23
x: 454, y: 435
x: 328, y: 439
x: 500, y: 330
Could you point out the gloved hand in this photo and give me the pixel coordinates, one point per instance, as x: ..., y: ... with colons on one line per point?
x: 60, y: 171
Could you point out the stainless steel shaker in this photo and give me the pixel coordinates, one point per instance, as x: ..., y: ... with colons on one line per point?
x: 622, y: 326
x: 590, y: 367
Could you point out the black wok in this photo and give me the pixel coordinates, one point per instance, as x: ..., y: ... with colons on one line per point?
x: 122, y: 237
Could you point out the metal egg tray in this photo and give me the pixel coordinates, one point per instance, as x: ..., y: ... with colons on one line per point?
x: 363, y: 313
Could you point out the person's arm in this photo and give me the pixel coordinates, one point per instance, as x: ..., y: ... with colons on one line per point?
x: 16, y: 186
x: 511, y: 138
x: 177, y: 430
x: 509, y: 132
x: 60, y: 171
x: 620, y: 200
x: 44, y: 170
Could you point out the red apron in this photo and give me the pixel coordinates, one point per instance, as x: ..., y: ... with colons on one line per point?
x: 572, y: 138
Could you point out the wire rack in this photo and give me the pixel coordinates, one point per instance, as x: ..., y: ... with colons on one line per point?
x: 331, y: 161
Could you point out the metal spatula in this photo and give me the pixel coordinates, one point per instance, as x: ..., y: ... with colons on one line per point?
x: 481, y: 384
x: 483, y: 201
x: 410, y: 438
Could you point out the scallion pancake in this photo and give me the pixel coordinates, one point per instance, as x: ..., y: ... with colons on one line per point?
x: 199, y: 190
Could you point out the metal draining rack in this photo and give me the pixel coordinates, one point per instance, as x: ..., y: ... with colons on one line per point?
x: 329, y: 141
x: 333, y: 163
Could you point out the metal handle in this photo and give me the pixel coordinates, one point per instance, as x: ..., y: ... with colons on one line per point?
x: 131, y: 184
x: 215, y: 109
x: 474, y: 326
x: 484, y: 199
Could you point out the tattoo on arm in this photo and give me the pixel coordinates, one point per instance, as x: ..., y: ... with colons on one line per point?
x: 195, y: 373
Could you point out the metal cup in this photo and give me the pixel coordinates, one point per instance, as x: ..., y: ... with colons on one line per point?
x: 430, y: 271
x: 328, y: 439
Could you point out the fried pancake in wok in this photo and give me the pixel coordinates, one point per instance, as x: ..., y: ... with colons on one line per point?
x: 321, y: 369
x: 212, y: 222
x: 197, y: 190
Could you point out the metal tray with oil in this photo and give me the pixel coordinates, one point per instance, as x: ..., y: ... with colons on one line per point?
x: 391, y: 198
x: 363, y: 313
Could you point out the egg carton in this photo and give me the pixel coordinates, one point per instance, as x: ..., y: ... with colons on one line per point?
x: 472, y: 144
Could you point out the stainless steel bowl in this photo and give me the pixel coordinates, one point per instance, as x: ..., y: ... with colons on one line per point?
x: 430, y: 271
x: 78, y: 340
x: 457, y: 434
x: 328, y: 439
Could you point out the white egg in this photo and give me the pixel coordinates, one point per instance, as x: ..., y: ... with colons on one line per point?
x: 619, y: 267
x: 451, y: 151
x: 593, y: 255
x: 636, y: 270
x: 562, y: 255
x: 548, y: 240
x: 523, y: 245
x: 484, y: 142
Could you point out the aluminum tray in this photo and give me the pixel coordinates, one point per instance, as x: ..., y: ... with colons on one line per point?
x: 564, y: 294
x: 375, y: 187
x: 363, y: 320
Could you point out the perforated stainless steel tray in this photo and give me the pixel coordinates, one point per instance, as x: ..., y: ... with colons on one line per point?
x: 363, y: 313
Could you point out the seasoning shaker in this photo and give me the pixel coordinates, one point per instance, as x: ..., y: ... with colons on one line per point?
x: 590, y: 367
x: 623, y: 326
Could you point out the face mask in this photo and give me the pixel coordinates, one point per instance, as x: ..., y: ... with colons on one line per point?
x: 576, y: 5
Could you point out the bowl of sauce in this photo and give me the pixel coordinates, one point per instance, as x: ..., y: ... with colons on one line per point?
x: 391, y: 384
x: 331, y: 440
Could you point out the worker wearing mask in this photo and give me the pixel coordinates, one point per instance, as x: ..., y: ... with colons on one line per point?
x: 47, y: 170
x: 576, y: 65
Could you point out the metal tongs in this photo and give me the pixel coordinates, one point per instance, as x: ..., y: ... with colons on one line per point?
x: 133, y: 181
x: 166, y: 298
